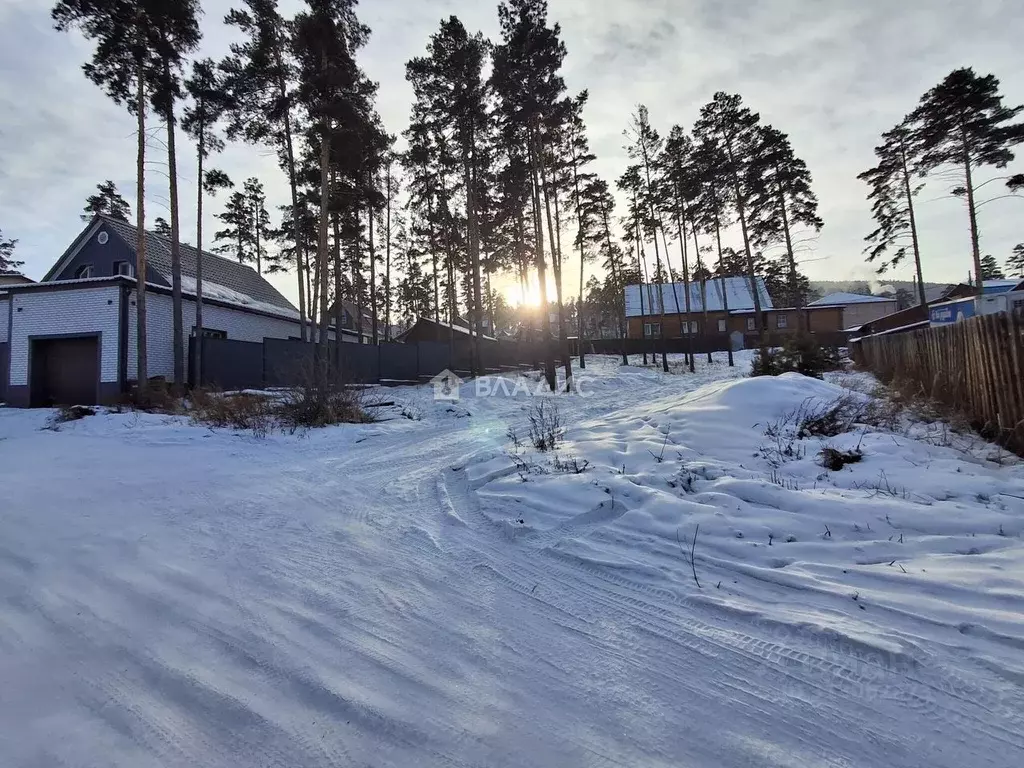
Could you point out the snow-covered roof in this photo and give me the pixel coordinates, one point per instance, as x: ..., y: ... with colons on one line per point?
x: 230, y: 296
x: 736, y: 291
x: 842, y: 298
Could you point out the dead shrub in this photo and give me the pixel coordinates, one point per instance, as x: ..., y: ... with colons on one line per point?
x: 834, y: 459
x: 238, y: 410
x: 570, y: 465
x: 68, y: 413
x: 545, y: 428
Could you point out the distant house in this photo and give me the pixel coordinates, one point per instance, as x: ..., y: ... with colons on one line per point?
x: 71, y: 338
x: 652, y: 306
x: 425, y: 329
x: 858, y: 309
x: 13, y: 278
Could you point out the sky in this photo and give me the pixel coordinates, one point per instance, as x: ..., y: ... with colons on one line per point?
x: 833, y: 74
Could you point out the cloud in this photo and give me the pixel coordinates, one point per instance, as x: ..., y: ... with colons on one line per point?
x: 832, y: 74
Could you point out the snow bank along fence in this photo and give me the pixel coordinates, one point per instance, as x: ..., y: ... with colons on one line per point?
x: 230, y: 364
x: 975, y: 366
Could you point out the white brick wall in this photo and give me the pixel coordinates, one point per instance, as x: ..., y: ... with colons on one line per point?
x: 3, y: 318
x: 239, y: 326
x: 85, y: 310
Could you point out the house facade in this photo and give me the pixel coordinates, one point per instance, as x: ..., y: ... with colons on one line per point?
x: 857, y: 309
x: 72, y: 338
x: 652, y: 309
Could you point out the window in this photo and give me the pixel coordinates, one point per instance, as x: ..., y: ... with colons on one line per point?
x: 210, y: 333
x: 781, y: 321
x: 83, y: 272
x: 125, y: 268
x: 652, y: 329
x: 693, y: 327
x: 721, y: 326
x: 751, y: 324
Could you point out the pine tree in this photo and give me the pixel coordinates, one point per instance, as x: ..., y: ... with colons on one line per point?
x: 990, y: 268
x: 327, y: 35
x: 631, y: 183
x: 731, y: 129
x: 963, y: 123
x: 161, y: 227
x: 7, y: 261
x: 259, y: 221
x: 526, y: 77
x: 260, y: 76
x: 782, y: 199
x: 236, y: 237
x: 107, y: 201
x: 599, y: 206
x: 176, y: 27
x: 208, y: 103
x: 122, y: 65
x: 1015, y: 264
x: 893, y: 190
x: 450, y: 86
x: 579, y: 156
x: 711, y: 214
x: 645, y: 148
x: 680, y: 191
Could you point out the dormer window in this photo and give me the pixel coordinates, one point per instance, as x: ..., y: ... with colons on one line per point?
x: 125, y: 268
x: 83, y: 272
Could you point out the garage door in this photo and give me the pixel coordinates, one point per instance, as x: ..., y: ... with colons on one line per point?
x: 65, y: 371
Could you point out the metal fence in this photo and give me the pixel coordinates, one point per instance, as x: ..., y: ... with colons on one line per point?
x: 230, y: 364
x: 975, y: 366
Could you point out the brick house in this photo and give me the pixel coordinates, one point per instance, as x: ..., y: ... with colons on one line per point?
x: 71, y: 338
x: 721, y: 326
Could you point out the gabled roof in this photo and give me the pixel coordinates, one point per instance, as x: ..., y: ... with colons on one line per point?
x: 842, y: 299
x: 737, y: 292
x: 239, y: 283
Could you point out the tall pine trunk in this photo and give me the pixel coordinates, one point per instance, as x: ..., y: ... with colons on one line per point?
x: 681, y: 234
x: 301, y: 260
x: 176, y: 310
x: 473, y: 246
x: 703, y: 282
x: 794, y: 292
x: 657, y: 258
x: 913, y: 223
x: 741, y: 212
x: 725, y: 291
x: 542, y: 277
x: 615, y: 280
x: 641, y: 272
x: 554, y: 239
x: 387, y: 263
x: 142, y: 374
x: 322, y: 245
x: 197, y: 354
x: 339, y: 310
x: 579, y: 239
x: 972, y: 209
x: 373, y: 277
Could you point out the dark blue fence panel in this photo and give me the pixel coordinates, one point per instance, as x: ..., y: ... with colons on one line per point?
x: 360, y: 363
x: 399, y: 361
x: 435, y: 356
x: 230, y: 364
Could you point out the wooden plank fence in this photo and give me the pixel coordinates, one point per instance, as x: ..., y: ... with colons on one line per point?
x: 975, y: 366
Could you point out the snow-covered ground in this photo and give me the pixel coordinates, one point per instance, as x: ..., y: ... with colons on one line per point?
x: 409, y: 593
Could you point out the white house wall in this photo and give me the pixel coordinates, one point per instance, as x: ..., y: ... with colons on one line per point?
x: 64, y: 312
x: 4, y: 309
x: 238, y: 325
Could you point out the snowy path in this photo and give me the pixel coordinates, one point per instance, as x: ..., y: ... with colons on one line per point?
x: 174, y: 597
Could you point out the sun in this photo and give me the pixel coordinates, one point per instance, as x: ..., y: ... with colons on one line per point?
x: 517, y: 296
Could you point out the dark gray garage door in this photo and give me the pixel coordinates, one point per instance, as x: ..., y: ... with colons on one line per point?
x: 65, y: 371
